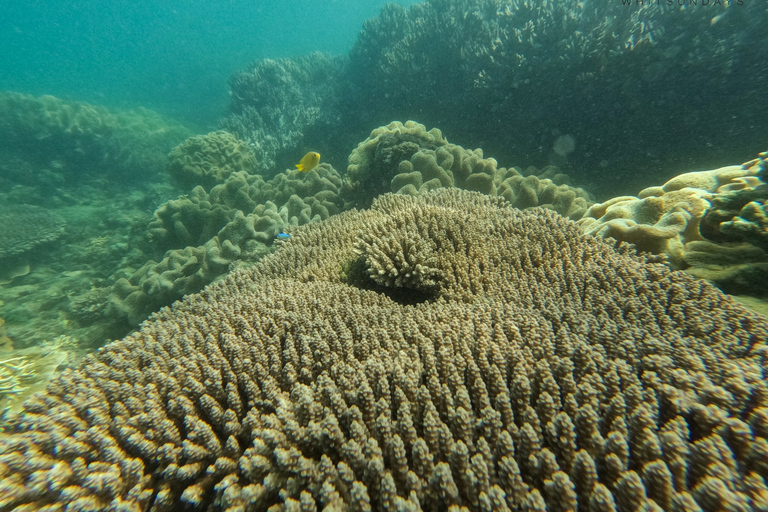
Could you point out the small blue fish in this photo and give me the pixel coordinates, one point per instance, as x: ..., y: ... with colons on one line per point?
x: 283, y: 236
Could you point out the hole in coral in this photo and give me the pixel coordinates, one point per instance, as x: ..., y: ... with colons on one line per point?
x: 355, y: 273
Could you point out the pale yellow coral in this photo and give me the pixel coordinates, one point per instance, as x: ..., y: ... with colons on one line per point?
x: 663, y: 219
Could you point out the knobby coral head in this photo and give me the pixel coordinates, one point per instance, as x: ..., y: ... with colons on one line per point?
x: 432, y: 351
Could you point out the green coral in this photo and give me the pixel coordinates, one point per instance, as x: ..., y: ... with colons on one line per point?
x: 208, y: 160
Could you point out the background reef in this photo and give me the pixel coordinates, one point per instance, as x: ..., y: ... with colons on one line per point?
x: 640, y: 89
x: 76, y: 180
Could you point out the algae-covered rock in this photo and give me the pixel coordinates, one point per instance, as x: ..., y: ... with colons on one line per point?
x: 208, y: 160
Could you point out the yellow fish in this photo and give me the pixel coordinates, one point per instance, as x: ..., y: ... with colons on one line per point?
x: 309, y: 161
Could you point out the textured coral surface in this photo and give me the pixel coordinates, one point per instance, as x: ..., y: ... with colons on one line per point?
x: 528, y: 367
x: 25, y: 226
x: 210, y: 159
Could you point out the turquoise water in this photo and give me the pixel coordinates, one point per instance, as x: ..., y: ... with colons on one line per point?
x: 522, y: 263
x: 172, y: 56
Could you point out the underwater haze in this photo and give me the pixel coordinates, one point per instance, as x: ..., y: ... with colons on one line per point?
x: 465, y: 255
x: 173, y: 56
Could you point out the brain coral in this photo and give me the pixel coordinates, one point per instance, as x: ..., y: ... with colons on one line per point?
x: 26, y: 226
x: 208, y: 160
x: 530, y: 367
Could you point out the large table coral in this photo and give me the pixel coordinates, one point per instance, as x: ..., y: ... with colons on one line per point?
x: 25, y: 226
x: 520, y: 365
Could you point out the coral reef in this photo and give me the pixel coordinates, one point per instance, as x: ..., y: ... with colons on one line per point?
x: 516, y: 77
x: 750, y: 224
x: 25, y: 226
x: 736, y: 268
x: 197, y: 237
x: 546, y: 370
x: 738, y: 213
x: 408, y: 159
x: 75, y: 139
x: 375, y: 161
x: 711, y: 223
x: 663, y: 219
x: 277, y: 104
x: 202, y: 234
x: 208, y: 160
x: 511, y: 77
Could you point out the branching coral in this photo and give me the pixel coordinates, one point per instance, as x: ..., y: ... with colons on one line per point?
x: 277, y: 102
x: 550, y: 370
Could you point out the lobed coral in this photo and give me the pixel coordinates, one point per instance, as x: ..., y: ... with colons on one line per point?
x: 201, y: 235
x: 663, y: 219
x: 738, y: 212
x: 374, y: 162
x: 547, y: 371
x: 408, y: 159
x: 750, y: 224
x: 208, y: 160
x: 712, y: 223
